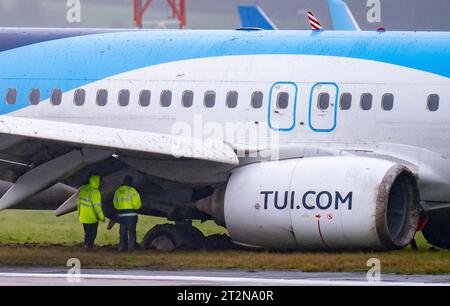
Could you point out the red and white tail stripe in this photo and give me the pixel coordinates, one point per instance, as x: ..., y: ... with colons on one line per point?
x: 313, y: 22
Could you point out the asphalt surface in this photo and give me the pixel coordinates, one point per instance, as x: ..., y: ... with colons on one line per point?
x: 59, y: 277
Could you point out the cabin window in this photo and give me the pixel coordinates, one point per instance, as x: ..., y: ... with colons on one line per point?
x: 388, y: 102
x: 283, y: 100
x: 323, y: 102
x: 346, y: 101
x: 144, y: 98
x: 232, y: 99
x: 166, y: 98
x: 124, y: 97
x: 35, y: 96
x: 210, y: 99
x: 433, y: 102
x: 11, y: 96
x: 102, y: 97
x: 366, y: 101
x: 188, y: 98
x: 257, y: 99
x: 56, y: 97
x: 79, y: 97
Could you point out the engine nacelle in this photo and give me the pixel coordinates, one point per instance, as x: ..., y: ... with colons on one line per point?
x: 323, y: 203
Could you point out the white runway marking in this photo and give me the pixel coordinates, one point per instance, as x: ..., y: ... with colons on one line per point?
x: 233, y: 281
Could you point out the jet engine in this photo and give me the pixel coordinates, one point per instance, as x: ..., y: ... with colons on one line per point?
x: 323, y: 203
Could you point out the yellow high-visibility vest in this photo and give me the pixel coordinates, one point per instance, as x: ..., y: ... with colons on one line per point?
x: 90, y: 203
x: 127, y: 198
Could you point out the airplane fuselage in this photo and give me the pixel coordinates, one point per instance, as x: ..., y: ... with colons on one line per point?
x: 382, y: 93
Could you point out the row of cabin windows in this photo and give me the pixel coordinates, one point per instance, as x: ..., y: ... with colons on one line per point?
x: 232, y: 98
x: 145, y: 97
x: 366, y: 101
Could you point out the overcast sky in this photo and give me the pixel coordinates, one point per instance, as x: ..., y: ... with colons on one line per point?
x: 221, y: 14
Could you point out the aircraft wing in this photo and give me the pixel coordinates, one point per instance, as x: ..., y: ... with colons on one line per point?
x: 73, y: 147
x: 252, y: 16
x: 119, y: 140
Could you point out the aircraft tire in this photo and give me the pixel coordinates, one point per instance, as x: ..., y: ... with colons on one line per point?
x: 169, y: 238
x: 437, y: 229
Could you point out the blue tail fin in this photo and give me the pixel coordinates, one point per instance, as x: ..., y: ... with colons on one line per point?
x: 253, y: 16
x: 342, y: 17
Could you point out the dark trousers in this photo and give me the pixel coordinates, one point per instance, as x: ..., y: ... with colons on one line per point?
x: 90, y: 233
x: 128, y: 233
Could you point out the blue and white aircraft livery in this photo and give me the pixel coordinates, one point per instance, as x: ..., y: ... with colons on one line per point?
x: 307, y: 140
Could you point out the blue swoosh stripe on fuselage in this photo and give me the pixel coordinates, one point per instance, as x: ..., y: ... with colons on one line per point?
x: 18, y: 37
x: 73, y: 62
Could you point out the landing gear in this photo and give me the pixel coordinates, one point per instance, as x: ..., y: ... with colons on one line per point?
x: 169, y: 237
x: 437, y: 229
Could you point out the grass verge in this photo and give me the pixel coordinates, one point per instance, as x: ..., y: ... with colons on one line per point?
x: 39, y: 239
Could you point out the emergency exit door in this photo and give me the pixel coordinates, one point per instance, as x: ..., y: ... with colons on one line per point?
x: 283, y: 106
x: 323, y: 106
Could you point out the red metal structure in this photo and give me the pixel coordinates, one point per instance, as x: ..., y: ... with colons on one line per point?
x: 178, y: 11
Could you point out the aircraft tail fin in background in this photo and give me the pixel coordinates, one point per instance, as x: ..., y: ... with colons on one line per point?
x: 341, y: 16
x: 252, y: 16
x: 314, y: 23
